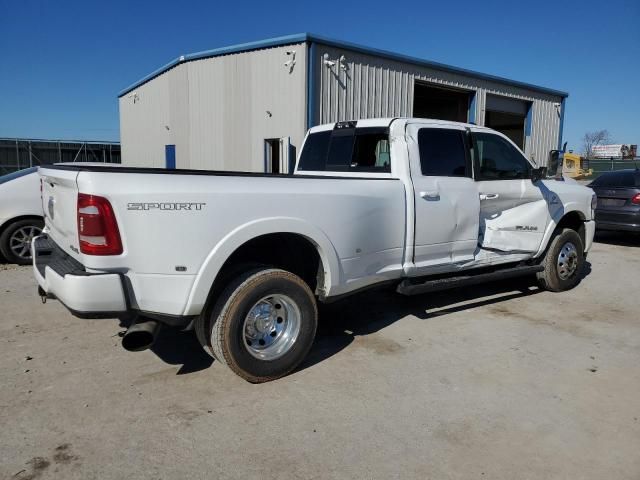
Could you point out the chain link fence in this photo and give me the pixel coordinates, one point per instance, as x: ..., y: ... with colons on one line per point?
x: 19, y: 153
x: 602, y: 165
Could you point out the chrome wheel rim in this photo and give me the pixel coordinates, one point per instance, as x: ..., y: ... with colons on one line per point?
x: 271, y: 327
x: 567, y: 263
x: 20, y: 241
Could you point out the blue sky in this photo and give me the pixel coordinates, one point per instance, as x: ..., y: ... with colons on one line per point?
x: 63, y: 62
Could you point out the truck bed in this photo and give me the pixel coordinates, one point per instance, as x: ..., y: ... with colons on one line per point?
x: 176, y: 224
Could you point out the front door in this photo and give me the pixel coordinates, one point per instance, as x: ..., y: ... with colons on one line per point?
x: 446, y: 200
x: 513, y: 210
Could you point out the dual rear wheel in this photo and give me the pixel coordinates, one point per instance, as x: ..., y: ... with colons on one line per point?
x: 262, y: 325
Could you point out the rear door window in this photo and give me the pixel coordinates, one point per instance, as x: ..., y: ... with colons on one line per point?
x: 347, y: 150
x: 443, y: 153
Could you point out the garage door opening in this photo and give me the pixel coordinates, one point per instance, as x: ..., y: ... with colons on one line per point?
x: 507, y: 116
x: 440, y: 103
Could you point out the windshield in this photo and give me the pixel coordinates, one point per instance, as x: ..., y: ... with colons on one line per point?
x: 18, y: 174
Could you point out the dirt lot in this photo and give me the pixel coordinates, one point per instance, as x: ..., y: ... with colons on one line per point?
x: 502, y: 381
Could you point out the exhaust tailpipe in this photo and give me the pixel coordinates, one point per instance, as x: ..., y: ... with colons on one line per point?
x: 141, y: 335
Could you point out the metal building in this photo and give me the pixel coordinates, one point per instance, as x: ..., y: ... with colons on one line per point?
x: 247, y: 107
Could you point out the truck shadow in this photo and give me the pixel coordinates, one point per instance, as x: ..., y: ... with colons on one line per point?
x: 176, y: 347
x: 621, y: 239
x: 360, y: 315
x: 367, y: 313
x: 181, y: 348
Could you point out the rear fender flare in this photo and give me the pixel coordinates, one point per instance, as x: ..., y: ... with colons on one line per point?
x: 242, y: 234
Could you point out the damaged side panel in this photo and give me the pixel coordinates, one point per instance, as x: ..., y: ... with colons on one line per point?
x: 516, y: 229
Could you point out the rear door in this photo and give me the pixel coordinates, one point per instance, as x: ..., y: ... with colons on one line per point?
x: 446, y: 200
x: 513, y: 211
x: 59, y: 202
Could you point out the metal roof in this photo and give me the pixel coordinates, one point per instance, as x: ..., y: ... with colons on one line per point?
x: 308, y: 37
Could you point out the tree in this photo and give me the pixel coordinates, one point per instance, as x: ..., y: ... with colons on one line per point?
x: 591, y: 139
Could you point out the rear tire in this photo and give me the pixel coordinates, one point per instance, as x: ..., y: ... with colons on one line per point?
x: 262, y: 325
x: 563, y: 262
x: 15, y: 241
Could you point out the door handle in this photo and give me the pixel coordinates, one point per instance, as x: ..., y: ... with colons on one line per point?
x: 430, y: 195
x: 488, y: 196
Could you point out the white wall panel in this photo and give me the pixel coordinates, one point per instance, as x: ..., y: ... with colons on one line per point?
x: 215, y: 111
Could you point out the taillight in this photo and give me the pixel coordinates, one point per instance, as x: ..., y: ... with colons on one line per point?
x: 97, y: 227
x: 636, y: 199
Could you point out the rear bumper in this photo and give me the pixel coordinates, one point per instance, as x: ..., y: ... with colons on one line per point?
x: 618, y: 220
x: 89, y: 294
x: 622, y: 227
x: 86, y: 295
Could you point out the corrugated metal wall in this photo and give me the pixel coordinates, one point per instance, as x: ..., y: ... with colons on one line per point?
x: 217, y: 111
x: 371, y: 86
x: 144, y: 118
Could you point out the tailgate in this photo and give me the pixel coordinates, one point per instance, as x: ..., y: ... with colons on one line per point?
x: 59, y: 202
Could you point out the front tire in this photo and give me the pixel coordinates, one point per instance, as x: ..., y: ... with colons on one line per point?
x: 563, y: 262
x: 15, y: 241
x: 262, y: 325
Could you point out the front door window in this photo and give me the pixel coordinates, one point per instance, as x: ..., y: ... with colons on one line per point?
x: 498, y: 159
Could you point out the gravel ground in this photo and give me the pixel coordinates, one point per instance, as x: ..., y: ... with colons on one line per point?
x: 500, y: 381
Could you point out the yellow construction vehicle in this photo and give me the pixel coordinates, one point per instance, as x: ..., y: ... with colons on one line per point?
x: 568, y: 164
x: 576, y: 167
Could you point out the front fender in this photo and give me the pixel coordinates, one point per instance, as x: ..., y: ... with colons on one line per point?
x: 556, y: 216
x: 248, y: 231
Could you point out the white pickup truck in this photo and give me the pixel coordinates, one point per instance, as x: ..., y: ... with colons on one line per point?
x: 244, y: 258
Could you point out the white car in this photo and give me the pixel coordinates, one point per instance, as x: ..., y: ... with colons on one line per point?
x: 20, y: 214
x: 21, y: 217
x: 244, y: 258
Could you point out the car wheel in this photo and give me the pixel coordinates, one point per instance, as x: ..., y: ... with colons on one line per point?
x: 563, y: 262
x: 262, y: 325
x: 15, y: 241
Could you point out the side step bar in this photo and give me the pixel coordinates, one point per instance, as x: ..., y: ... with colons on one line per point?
x: 410, y: 287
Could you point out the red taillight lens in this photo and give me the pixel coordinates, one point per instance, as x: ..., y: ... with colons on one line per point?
x: 97, y: 227
x: 636, y: 199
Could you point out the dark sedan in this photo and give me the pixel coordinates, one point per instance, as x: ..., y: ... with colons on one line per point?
x: 618, y: 200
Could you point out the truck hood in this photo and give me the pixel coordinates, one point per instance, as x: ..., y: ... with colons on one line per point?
x: 565, y: 197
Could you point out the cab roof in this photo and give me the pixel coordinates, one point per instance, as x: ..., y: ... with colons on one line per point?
x: 387, y: 121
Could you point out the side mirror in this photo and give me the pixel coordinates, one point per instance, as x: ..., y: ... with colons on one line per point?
x: 539, y: 173
x: 554, y: 165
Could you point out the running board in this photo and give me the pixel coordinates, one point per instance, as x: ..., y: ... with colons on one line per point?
x: 409, y: 287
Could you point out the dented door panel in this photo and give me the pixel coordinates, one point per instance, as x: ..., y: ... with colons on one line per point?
x: 515, y: 221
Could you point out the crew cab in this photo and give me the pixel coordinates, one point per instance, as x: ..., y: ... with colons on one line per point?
x: 244, y: 258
